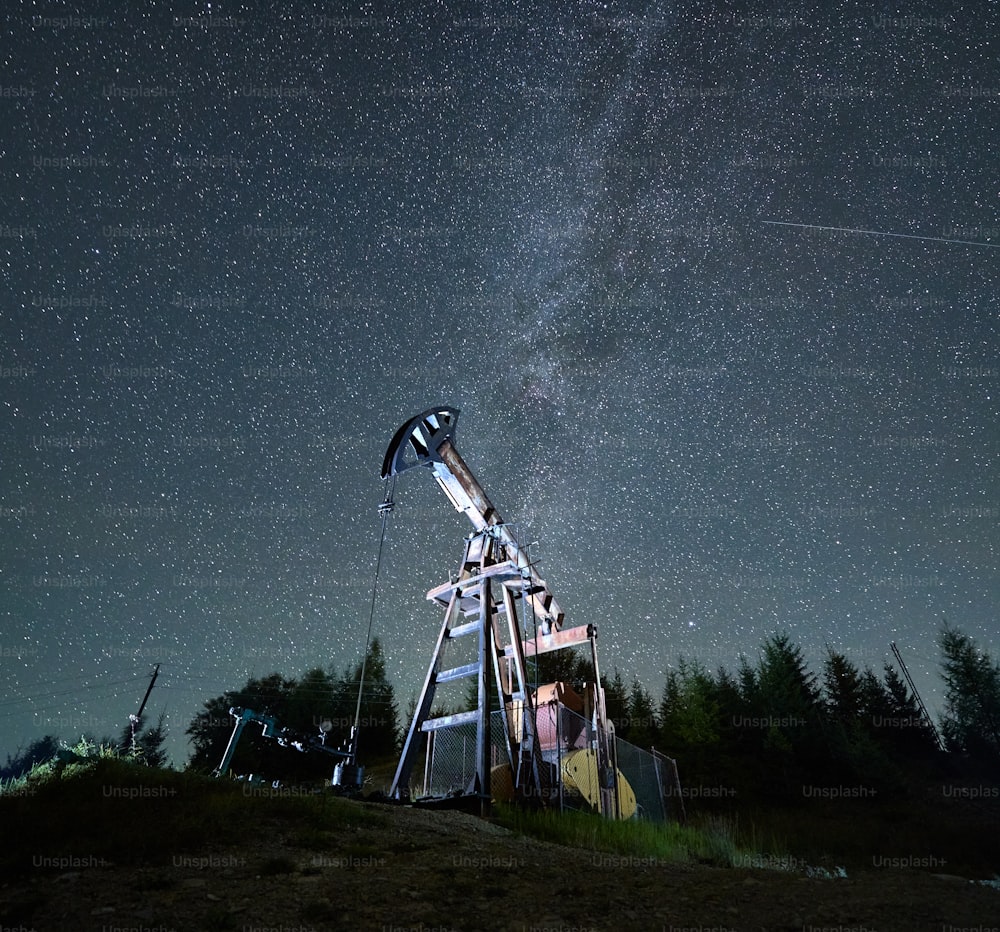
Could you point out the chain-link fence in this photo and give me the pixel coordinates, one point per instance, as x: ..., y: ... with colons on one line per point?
x: 571, y: 767
x: 448, y: 762
x: 654, y: 782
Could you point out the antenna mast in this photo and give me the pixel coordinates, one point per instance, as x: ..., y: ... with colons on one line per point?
x: 916, y: 695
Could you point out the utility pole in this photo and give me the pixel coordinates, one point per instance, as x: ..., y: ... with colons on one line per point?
x: 137, y: 717
x: 149, y: 689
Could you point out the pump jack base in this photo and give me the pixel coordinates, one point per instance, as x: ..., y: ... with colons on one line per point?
x: 475, y: 803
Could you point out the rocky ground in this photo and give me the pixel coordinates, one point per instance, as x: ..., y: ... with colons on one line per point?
x: 403, y: 868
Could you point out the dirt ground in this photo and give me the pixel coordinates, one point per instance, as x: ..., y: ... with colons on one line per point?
x: 408, y: 869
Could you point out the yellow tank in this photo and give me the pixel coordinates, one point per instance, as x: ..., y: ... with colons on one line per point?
x: 580, y: 773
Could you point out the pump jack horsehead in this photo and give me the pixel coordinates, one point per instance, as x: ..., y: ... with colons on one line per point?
x: 544, y: 759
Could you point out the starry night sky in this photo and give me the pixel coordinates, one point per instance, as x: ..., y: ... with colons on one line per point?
x: 241, y: 245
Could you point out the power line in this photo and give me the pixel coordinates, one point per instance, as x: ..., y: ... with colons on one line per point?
x: 80, y: 676
x: 68, y: 692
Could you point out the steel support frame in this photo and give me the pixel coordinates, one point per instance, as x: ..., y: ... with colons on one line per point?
x: 491, y: 582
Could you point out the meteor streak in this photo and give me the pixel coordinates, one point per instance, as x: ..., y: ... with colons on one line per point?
x: 931, y: 239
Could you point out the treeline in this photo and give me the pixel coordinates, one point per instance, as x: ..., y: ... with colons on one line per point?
x: 766, y: 729
x: 774, y: 728
x: 317, y: 702
x: 139, y: 741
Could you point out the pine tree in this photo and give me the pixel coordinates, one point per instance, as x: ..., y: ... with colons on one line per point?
x: 971, y: 720
x: 151, y: 741
x: 790, y: 720
x: 843, y: 687
x: 643, y: 726
x: 858, y: 752
x: 729, y: 698
x: 905, y: 729
x: 786, y: 685
x: 669, y: 703
x: 690, y: 725
x: 211, y: 729
x: 616, y: 704
x: 378, y: 726
x: 41, y: 750
x: 876, y: 702
x: 689, y: 709
x: 748, y: 683
x: 309, y: 702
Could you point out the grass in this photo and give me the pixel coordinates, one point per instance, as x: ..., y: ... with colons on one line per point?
x: 108, y: 809
x: 906, y: 833
x: 714, y: 841
x: 103, y: 808
x: 862, y: 835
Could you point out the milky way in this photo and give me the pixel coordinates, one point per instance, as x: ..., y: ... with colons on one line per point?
x: 240, y: 248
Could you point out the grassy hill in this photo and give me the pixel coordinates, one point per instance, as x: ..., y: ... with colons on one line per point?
x: 108, y: 842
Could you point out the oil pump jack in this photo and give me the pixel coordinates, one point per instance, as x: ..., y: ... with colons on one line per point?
x: 496, y: 578
x: 347, y: 774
